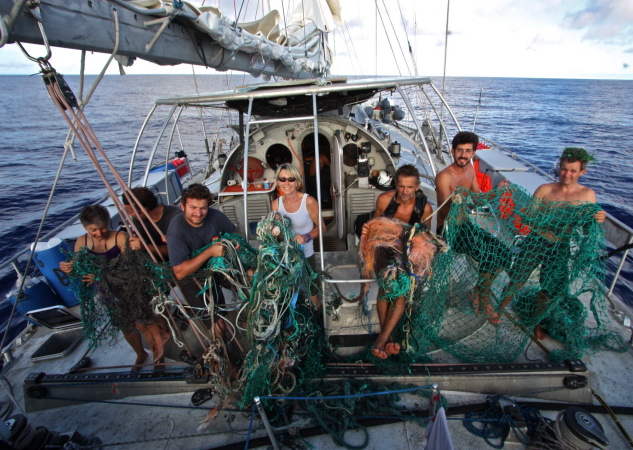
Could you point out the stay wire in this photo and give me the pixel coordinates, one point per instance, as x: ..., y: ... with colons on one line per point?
x: 37, y: 239
x: 404, y: 57
x: 388, y: 39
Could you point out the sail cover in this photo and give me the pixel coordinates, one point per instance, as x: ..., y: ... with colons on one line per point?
x: 169, y: 33
x: 301, y: 46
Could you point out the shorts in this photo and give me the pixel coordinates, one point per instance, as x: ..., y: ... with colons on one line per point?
x: 480, y: 245
x: 553, y: 258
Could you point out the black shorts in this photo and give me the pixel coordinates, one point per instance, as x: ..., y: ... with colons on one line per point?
x: 490, y: 253
x: 553, y: 258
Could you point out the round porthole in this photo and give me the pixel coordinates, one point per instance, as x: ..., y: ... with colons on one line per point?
x: 278, y: 154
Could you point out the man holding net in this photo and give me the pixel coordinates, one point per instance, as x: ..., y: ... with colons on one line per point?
x: 468, y: 238
x: 561, y: 213
x: 408, y: 205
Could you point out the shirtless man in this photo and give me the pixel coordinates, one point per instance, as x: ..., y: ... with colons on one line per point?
x: 573, y: 165
x: 407, y: 204
x: 470, y: 239
x: 460, y: 173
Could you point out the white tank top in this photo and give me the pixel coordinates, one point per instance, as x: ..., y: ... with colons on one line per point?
x: 301, y: 222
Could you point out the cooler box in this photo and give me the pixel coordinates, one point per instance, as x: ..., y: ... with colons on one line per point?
x: 182, y: 168
x: 35, y: 295
x: 47, y: 256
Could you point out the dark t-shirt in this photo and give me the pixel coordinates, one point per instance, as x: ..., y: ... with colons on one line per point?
x: 183, y: 239
x: 169, y: 212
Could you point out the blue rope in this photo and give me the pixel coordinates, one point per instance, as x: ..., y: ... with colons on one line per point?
x: 339, y: 397
x: 250, y: 427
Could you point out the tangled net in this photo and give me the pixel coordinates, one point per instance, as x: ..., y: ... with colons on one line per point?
x: 121, y: 294
x: 281, y: 326
x: 515, y: 254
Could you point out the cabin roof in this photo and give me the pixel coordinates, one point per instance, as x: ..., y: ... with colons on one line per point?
x: 330, y: 91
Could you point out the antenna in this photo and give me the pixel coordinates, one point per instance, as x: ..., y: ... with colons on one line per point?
x: 477, y: 111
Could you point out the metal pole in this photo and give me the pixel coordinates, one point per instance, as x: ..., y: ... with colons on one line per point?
x: 269, y: 429
x: 435, y: 396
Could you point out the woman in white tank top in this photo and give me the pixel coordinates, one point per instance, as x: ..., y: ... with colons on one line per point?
x: 302, y: 210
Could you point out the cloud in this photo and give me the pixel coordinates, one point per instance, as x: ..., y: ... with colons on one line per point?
x: 606, y: 21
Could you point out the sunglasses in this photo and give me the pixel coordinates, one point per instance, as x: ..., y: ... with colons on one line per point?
x: 284, y: 179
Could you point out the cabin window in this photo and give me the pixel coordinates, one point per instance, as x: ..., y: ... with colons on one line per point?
x: 278, y: 154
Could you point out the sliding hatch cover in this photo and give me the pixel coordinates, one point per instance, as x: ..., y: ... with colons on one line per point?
x: 337, y: 185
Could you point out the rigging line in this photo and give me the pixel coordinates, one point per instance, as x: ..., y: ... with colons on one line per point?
x: 283, y: 10
x: 376, y: 38
x: 82, y: 103
x: 31, y: 254
x: 404, y: 57
x: 351, y: 41
x: 448, y: 6
x: 388, y: 39
x: 415, y: 65
x: 305, y: 36
x: 237, y: 17
x: 477, y: 110
x: 86, y: 135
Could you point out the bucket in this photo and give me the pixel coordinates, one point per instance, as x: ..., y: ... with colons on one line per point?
x: 35, y: 295
x: 47, y: 256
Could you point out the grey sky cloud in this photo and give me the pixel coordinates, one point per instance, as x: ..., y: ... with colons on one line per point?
x: 606, y: 21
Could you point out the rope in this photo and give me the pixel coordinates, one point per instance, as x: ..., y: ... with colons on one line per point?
x: 37, y: 239
x: 397, y: 38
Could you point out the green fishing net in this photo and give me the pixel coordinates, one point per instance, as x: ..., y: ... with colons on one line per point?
x: 515, y: 263
x: 121, y: 293
x: 282, y: 327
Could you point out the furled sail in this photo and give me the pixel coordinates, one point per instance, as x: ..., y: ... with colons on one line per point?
x: 175, y: 32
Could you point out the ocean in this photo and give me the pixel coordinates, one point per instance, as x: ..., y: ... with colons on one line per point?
x: 536, y: 118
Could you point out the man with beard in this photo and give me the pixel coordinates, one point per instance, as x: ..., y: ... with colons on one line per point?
x: 469, y: 239
x: 460, y: 173
x: 194, y: 229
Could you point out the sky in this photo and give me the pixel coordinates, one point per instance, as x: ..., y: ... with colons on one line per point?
x: 491, y: 38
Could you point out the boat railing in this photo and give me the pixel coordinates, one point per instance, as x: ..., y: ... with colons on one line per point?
x: 619, y: 235
x: 13, y: 260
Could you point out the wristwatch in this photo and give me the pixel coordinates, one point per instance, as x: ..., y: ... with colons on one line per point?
x: 308, y: 237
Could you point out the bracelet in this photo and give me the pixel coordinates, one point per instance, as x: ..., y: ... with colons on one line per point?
x: 308, y: 237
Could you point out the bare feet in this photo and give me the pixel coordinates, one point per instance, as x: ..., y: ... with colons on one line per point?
x: 379, y: 348
x: 392, y: 348
x: 378, y: 353
x: 539, y: 333
x: 489, y: 312
x: 140, y: 359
